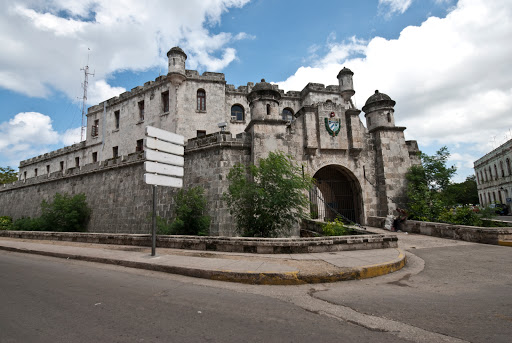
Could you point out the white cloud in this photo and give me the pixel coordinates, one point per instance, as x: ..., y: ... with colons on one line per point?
x: 70, y: 136
x: 46, y: 42
x: 27, y: 128
x: 394, y: 6
x: 450, y: 77
x: 29, y: 134
x: 100, y: 90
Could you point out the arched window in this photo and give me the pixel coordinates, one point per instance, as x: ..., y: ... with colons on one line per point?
x: 486, y: 177
x: 201, y: 100
x: 502, y: 170
x: 287, y: 114
x: 490, y: 174
x: 508, y: 167
x: 268, y: 109
x: 237, y: 112
x: 495, y: 172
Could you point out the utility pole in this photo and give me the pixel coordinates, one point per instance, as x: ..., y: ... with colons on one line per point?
x: 84, y: 99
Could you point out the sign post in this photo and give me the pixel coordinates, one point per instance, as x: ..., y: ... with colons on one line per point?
x: 163, y: 152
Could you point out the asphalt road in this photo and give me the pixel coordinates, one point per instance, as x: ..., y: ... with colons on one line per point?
x: 449, y: 291
x: 44, y: 299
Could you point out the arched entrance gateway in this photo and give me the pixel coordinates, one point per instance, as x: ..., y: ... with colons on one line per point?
x: 336, y: 191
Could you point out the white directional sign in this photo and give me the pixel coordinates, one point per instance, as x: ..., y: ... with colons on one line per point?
x: 164, y: 152
x: 162, y: 180
x: 164, y: 169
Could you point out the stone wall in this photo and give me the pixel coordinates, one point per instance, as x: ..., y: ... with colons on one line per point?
x: 115, y: 191
x: 120, y: 200
x: 460, y: 232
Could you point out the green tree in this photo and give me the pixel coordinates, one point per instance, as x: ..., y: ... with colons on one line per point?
x: 189, y: 214
x: 463, y: 193
x: 7, y: 175
x: 426, y: 183
x: 268, y: 200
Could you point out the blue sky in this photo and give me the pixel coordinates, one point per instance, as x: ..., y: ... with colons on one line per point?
x: 445, y: 62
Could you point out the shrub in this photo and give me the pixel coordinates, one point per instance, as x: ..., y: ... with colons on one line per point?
x: 65, y: 213
x: 335, y: 228
x: 5, y: 223
x: 461, y: 216
x: 28, y: 224
x: 189, y: 216
x: 269, y: 199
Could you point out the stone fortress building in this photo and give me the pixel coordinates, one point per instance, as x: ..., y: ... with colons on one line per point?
x: 359, y: 171
x: 494, y: 176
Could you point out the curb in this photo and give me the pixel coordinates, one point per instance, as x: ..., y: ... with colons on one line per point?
x: 262, y: 278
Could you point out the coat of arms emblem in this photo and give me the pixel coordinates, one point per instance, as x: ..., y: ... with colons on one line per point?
x: 333, y: 125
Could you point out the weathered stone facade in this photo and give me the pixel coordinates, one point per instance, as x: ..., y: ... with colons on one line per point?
x: 494, y: 176
x: 360, y: 171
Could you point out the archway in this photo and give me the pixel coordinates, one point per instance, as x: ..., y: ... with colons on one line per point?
x: 336, y: 192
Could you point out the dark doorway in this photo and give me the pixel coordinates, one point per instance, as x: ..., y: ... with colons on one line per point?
x: 336, y: 193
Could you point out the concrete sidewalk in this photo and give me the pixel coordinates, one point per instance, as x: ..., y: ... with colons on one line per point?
x: 275, y: 269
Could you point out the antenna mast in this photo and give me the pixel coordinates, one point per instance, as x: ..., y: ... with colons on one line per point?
x: 84, y: 99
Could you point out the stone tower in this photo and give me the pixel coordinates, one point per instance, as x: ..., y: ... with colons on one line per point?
x: 392, y: 155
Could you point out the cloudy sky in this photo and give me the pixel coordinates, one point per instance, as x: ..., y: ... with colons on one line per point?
x: 446, y: 63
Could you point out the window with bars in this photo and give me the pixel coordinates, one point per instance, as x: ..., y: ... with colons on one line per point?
x: 201, y: 100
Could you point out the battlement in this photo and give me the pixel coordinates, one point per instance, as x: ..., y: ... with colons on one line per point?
x: 133, y: 92
x: 241, y: 89
x: 206, y: 76
x: 53, y: 154
x: 70, y: 172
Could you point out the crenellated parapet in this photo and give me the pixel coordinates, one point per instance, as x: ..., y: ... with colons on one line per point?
x: 52, y: 154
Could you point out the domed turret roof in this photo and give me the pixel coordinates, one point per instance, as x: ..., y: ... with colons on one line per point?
x: 379, y: 99
x: 263, y: 85
x: 345, y: 71
x: 176, y: 50
x: 264, y: 88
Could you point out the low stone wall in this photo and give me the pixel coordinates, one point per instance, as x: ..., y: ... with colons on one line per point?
x: 474, y: 234
x: 224, y: 244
